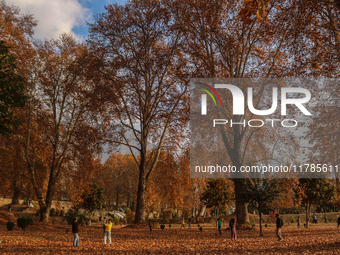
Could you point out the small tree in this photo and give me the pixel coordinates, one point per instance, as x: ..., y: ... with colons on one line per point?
x: 93, y: 199
x: 260, y: 192
x: 217, y: 193
x: 314, y: 192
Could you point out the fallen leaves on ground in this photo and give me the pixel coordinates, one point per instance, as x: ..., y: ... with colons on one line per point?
x: 54, y: 239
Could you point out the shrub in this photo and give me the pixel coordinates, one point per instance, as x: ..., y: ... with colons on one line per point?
x: 24, y: 222
x: 175, y: 216
x: 127, y: 210
x: 169, y: 225
x: 201, y: 220
x: 330, y: 219
x: 201, y: 229
x: 10, y: 225
x: 292, y: 220
x: 74, y: 213
x: 124, y: 221
x: 52, y: 212
x: 266, y: 225
x: 162, y: 227
x: 157, y: 224
x: 62, y: 213
x: 117, y: 221
x: 252, y: 220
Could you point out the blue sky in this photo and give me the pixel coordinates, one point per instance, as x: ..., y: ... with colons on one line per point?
x: 58, y: 16
x: 95, y: 7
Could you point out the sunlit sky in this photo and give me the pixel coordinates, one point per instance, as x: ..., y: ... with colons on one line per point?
x: 58, y: 16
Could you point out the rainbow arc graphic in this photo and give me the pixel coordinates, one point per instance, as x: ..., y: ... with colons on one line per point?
x: 206, y: 89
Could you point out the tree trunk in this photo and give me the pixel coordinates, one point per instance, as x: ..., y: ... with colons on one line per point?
x: 241, y: 205
x: 117, y: 197
x: 44, y: 214
x: 337, y: 191
x: 16, y: 194
x: 260, y: 214
x: 202, y: 210
x: 141, y: 194
x: 307, y: 214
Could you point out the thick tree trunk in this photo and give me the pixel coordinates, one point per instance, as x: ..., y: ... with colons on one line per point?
x: 16, y: 194
x: 241, y: 205
x: 141, y: 195
x: 202, y: 211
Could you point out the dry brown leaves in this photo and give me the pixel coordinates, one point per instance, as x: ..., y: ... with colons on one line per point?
x: 53, y: 239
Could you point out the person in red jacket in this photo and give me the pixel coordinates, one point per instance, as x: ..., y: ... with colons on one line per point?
x: 75, y: 232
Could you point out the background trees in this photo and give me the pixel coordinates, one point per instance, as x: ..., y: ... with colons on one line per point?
x: 127, y: 87
x: 143, y: 69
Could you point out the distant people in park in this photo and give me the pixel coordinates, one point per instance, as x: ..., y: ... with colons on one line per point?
x: 107, y: 234
x: 9, y: 208
x: 189, y: 224
x: 315, y: 220
x: 279, y: 224
x: 325, y: 217
x: 150, y: 225
x: 298, y: 221
x: 219, y: 224
x: 197, y: 219
x: 232, y: 226
x: 182, y: 222
x: 75, y: 232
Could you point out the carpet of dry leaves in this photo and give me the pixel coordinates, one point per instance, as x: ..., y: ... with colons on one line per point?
x: 56, y: 239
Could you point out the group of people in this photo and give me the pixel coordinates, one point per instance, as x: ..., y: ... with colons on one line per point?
x: 232, y: 226
x: 107, y: 232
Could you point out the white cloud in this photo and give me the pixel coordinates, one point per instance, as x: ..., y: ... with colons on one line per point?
x: 54, y: 16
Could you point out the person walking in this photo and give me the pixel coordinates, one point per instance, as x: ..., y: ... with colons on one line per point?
x: 197, y: 219
x: 279, y: 224
x: 338, y: 220
x: 150, y: 225
x: 315, y: 219
x: 107, y: 234
x: 232, y: 226
x: 219, y: 226
x: 298, y: 221
x: 182, y: 223
x: 75, y: 231
x: 189, y: 224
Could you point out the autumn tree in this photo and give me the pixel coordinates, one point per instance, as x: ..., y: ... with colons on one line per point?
x: 238, y: 39
x: 141, y: 65
x: 120, y: 178
x: 315, y: 192
x: 260, y: 192
x: 64, y: 101
x: 217, y: 193
x: 93, y: 198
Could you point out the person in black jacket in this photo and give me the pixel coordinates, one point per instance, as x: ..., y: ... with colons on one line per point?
x: 279, y: 224
x: 75, y: 231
